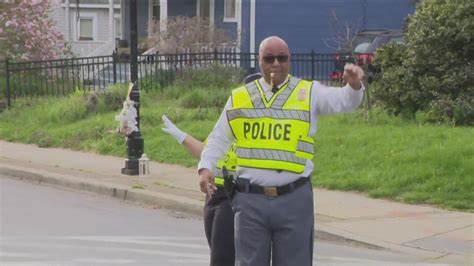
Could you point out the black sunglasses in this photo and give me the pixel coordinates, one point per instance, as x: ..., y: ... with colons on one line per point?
x: 269, y: 59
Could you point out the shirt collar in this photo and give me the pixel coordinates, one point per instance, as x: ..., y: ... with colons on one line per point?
x: 266, y: 86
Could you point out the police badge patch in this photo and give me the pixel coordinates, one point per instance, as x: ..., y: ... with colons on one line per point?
x: 302, y: 94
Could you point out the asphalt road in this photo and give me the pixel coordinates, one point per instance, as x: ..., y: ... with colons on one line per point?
x: 42, y: 225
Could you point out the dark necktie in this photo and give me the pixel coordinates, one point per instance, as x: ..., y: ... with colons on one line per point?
x: 274, y: 89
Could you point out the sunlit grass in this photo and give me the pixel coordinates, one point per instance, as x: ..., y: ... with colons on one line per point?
x: 383, y: 156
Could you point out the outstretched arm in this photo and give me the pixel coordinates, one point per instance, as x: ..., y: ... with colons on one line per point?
x: 193, y: 145
x: 327, y: 100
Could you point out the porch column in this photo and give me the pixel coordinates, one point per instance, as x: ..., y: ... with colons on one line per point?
x: 212, y: 16
x: 252, y: 32
x: 111, y: 21
x: 68, y: 22
x: 163, y: 16
x: 238, y: 14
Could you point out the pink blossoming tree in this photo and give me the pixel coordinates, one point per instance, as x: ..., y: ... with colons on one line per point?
x: 28, y: 32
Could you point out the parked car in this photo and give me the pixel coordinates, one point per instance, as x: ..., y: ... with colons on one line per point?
x: 360, y: 50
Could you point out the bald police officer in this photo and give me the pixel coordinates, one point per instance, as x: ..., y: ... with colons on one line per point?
x: 272, y: 122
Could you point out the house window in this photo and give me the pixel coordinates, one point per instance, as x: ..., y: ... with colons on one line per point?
x: 86, y: 32
x: 118, y: 28
x: 156, y: 10
x: 229, y: 10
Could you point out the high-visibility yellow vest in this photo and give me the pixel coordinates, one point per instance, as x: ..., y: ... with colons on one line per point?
x: 272, y: 134
x: 229, y: 161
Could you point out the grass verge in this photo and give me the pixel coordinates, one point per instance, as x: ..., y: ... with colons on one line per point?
x: 383, y: 156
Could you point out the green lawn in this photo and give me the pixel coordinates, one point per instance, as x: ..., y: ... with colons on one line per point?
x: 382, y: 156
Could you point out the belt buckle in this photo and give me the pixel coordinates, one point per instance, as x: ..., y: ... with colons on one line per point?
x: 270, y: 191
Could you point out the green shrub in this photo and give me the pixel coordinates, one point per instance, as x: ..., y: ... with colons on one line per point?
x: 173, y: 92
x: 63, y: 109
x: 205, y: 98
x: 157, y: 79
x: 118, y: 90
x: 214, y: 74
x: 99, y: 102
x: 113, y: 98
x: 195, y: 99
x: 3, y: 86
x: 209, y: 86
x: 432, y: 72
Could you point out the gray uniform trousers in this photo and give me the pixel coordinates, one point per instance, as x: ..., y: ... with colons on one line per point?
x: 279, y: 228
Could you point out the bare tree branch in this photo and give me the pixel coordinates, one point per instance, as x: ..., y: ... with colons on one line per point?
x: 188, y: 34
x: 343, y: 33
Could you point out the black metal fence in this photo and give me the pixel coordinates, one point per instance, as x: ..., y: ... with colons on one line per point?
x: 61, y: 77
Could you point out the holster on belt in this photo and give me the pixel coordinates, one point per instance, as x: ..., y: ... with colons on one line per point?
x: 230, y: 183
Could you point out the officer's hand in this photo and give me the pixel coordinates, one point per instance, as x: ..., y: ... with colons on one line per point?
x: 173, y: 130
x: 206, y: 182
x: 353, y: 75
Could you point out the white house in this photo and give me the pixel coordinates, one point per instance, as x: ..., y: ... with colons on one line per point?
x: 91, y: 27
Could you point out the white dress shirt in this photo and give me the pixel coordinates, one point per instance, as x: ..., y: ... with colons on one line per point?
x: 324, y: 100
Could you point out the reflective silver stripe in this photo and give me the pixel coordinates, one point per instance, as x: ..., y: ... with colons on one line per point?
x: 269, y: 113
x: 255, y: 95
x: 283, y: 96
x: 305, y: 146
x: 269, y: 154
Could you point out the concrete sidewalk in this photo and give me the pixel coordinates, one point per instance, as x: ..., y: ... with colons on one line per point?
x: 432, y: 234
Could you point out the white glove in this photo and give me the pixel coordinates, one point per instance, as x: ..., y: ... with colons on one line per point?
x: 173, y: 130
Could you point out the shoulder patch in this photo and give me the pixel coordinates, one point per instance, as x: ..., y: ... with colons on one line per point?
x: 302, y: 94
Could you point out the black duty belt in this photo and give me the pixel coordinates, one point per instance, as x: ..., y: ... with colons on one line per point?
x: 246, y: 187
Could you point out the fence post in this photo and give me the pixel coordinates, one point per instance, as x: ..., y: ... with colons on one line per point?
x: 367, y: 91
x: 215, y: 54
x: 312, y: 64
x: 366, y: 82
x: 114, y: 65
x: 7, y: 71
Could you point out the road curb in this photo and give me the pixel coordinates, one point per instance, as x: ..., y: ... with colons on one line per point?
x: 154, y: 199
